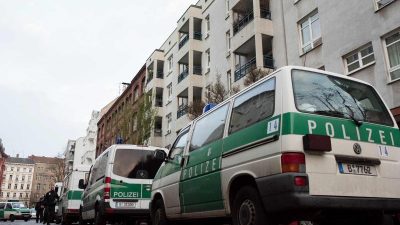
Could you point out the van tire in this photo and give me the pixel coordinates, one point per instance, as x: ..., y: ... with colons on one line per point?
x: 12, y: 218
x: 247, y: 209
x: 99, y: 219
x: 158, y: 216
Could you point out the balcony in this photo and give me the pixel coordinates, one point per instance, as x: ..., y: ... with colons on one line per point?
x: 243, y: 22
x: 268, y: 62
x: 266, y: 14
x: 160, y: 74
x: 197, y: 70
x: 245, y: 69
x: 183, y: 74
x: 197, y: 35
x: 182, y: 110
x: 183, y: 41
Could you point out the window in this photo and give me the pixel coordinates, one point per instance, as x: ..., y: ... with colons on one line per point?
x: 381, y: 3
x: 12, y: 168
x: 209, y: 128
x: 17, y: 169
x: 169, y: 87
x: 310, y: 32
x: 392, y: 43
x: 359, y: 58
x: 16, y: 178
x: 23, y: 177
x: 170, y: 63
x: 208, y: 58
x: 229, y: 79
x: 28, y: 186
x: 227, y: 7
x: 253, y: 106
x: 30, y: 170
x: 179, y: 145
x: 38, y: 187
x: 22, y: 186
x: 134, y: 123
x: 26, y: 195
x: 207, y: 25
x: 228, y: 41
x: 9, y: 186
x: 20, y: 195
x: 10, y: 178
x: 135, y: 93
x: 8, y: 195
x: 15, y: 186
x: 14, y: 195
x: 169, y: 121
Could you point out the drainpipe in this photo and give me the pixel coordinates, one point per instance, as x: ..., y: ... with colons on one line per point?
x: 284, y: 33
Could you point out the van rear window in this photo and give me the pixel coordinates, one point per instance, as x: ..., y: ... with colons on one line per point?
x: 135, y: 164
x: 328, y: 95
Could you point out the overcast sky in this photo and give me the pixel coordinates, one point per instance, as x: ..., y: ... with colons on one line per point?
x: 59, y: 60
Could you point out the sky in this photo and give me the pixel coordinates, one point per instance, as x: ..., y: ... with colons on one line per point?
x: 60, y: 60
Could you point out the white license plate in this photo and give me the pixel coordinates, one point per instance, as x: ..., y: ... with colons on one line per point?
x: 348, y: 168
x: 126, y: 204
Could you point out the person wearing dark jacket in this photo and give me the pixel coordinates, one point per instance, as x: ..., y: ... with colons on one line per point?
x: 50, y: 200
x: 39, y: 208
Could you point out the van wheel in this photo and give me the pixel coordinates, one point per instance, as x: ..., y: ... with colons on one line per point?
x: 99, y: 219
x: 158, y: 216
x: 12, y: 218
x: 247, y: 208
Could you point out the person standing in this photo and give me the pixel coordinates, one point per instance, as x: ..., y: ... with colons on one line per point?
x: 39, y: 207
x: 50, y: 200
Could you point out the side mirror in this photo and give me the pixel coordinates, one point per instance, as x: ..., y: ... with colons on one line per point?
x: 56, y: 189
x: 81, y: 184
x: 160, y: 155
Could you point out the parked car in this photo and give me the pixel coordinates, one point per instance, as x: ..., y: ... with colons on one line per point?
x: 14, y: 211
x: 33, y: 213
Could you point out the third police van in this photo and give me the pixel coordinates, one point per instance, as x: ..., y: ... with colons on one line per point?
x: 298, y: 145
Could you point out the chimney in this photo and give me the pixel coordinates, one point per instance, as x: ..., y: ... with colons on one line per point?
x: 17, y: 155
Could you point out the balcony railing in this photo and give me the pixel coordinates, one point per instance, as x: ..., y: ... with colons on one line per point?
x: 160, y: 74
x: 197, y: 35
x: 182, y: 110
x: 266, y: 14
x: 243, y: 22
x: 245, y: 69
x: 183, y: 41
x: 268, y: 62
x: 159, y: 102
x: 183, y: 75
x: 197, y: 70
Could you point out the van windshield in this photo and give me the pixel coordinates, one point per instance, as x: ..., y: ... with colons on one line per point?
x: 18, y: 205
x: 136, y: 164
x: 333, y: 96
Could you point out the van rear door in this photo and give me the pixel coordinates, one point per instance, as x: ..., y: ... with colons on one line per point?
x: 364, y: 157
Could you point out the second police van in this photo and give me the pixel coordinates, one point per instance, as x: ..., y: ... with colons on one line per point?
x: 118, y: 188
x: 299, y: 145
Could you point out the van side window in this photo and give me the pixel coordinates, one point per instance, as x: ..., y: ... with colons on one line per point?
x: 2, y: 205
x: 253, y: 106
x: 101, y: 169
x: 8, y: 206
x: 209, y: 128
x: 179, y: 145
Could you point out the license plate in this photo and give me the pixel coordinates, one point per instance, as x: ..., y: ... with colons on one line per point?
x: 126, y: 204
x: 357, y: 169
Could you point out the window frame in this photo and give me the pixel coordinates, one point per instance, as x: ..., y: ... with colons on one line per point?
x: 313, y: 40
x: 387, y: 59
x: 377, y: 8
x: 359, y: 58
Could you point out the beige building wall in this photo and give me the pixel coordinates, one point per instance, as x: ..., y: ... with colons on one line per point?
x: 17, y: 180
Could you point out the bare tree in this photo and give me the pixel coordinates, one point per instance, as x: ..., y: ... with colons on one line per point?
x: 59, y: 168
x: 195, y: 109
x: 145, y: 118
x: 255, y: 75
x: 217, y: 92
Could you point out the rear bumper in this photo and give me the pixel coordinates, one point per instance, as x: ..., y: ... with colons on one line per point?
x: 279, y: 194
x: 23, y: 216
x: 132, y: 213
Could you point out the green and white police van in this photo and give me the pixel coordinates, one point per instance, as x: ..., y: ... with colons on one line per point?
x: 14, y: 211
x: 70, y: 195
x: 298, y: 145
x: 119, y: 185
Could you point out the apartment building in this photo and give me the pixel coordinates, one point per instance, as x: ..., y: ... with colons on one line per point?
x: 3, y: 157
x: 48, y: 171
x: 82, y: 150
x: 17, y: 179
x: 230, y: 38
x: 118, y: 122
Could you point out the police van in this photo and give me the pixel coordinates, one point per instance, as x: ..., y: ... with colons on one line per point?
x: 14, y: 211
x: 70, y: 195
x: 298, y: 145
x: 119, y: 185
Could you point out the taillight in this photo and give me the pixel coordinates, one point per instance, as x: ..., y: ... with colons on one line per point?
x: 107, y: 189
x: 293, y: 163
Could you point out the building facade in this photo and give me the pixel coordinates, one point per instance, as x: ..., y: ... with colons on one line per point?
x: 47, y: 172
x: 17, y: 179
x: 231, y: 38
x: 3, y: 157
x: 82, y: 150
x: 118, y: 120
